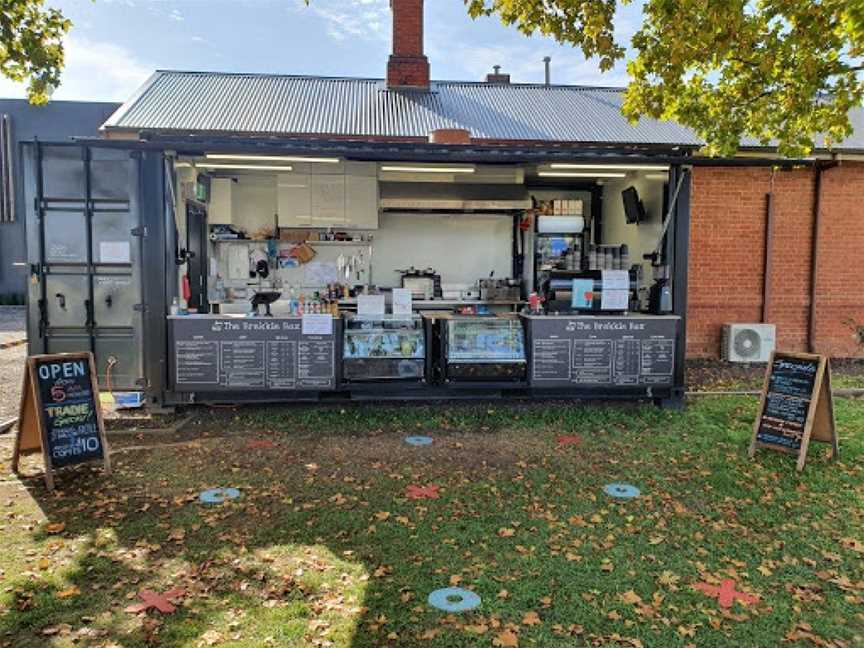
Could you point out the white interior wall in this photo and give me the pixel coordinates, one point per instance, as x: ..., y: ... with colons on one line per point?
x: 462, y: 248
x: 642, y: 238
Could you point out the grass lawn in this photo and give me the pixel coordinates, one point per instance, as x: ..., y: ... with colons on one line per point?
x: 325, y: 549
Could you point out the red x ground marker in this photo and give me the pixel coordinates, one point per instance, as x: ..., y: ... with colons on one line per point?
x: 155, y: 600
x: 264, y: 444
x: 569, y: 439
x: 421, y: 492
x: 726, y: 593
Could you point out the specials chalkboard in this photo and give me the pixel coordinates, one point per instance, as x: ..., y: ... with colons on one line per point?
x: 61, y: 413
x: 796, y: 405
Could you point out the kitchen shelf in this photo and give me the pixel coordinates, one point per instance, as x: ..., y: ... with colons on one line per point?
x: 312, y: 243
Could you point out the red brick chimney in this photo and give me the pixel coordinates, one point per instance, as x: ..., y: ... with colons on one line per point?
x: 407, y: 67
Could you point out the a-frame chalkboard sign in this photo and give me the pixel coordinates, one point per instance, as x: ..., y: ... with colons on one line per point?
x: 796, y: 406
x: 61, y: 413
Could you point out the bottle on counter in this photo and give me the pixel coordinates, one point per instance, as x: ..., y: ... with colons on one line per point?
x: 175, y: 306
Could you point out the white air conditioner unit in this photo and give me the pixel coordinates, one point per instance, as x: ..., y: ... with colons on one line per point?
x: 748, y: 342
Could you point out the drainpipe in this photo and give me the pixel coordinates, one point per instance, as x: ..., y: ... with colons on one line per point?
x: 814, y: 260
x: 547, y: 60
x: 768, y: 251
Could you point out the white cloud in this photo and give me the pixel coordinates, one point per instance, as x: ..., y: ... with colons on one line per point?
x: 368, y: 19
x: 95, y: 71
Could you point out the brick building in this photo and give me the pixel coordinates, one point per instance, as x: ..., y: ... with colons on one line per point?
x: 811, y: 253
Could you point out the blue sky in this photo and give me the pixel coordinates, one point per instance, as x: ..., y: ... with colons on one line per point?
x: 115, y: 44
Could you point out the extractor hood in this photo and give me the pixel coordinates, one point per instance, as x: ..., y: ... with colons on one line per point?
x: 453, y: 198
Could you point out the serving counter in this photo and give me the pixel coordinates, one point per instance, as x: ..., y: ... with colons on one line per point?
x: 225, y: 358
x: 602, y: 351
x: 217, y: 353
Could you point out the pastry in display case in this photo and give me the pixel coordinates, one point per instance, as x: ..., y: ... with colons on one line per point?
x: 485, y: 348
x: 384, y: 347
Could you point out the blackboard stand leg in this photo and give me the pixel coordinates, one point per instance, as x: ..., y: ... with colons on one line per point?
x: 49, y: 480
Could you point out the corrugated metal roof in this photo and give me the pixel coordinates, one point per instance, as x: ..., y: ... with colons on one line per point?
x: 343, y: 107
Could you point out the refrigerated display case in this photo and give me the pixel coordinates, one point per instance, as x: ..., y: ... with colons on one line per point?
x: 383, y: 348
x: 487, y: 349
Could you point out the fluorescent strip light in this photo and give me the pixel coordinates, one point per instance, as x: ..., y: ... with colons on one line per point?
x: 270, y: 158
x: 611, y: 167
x: 657, y: 176
x: 419, y: 169
x: 574, y: 174
x: 182, y: 165
x: 247, y: 167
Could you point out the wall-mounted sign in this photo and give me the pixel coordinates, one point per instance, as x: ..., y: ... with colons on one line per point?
x: 60, y: 413
x: 796, y: 406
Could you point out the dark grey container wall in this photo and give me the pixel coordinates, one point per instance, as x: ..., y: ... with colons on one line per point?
x: 57, y: 121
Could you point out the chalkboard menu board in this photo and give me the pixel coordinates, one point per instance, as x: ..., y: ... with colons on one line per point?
x: 220, y: 354
x: 61, y: 413
x: 787, y: 401
x: 602, y: 351
x: 796, y: 405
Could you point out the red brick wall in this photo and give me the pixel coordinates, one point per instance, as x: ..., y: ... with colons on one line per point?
x: 728, y: 213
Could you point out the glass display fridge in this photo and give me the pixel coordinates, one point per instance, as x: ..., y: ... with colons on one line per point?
x: 383, y: 348
x: 490, y: 349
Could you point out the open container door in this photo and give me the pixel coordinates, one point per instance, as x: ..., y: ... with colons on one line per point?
x: 84, y: 240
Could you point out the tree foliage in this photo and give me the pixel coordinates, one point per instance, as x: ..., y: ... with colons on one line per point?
x: 772, y: 71
x: 31, y: 45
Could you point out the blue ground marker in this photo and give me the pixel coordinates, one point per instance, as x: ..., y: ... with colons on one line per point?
x: 219, y: 495
x: 454, y: 599
x: 418, y: 440
x: 621, y: 491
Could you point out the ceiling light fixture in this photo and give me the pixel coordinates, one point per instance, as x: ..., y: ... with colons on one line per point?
x: 422, y: 169
x: 611, y: 167
x: 270, y: 158
x: 576, y: 174
x: 246, y: 167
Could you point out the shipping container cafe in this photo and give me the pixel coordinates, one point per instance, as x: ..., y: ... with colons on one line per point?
x: 258, y: 238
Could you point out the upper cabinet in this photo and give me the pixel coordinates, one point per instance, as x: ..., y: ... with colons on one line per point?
x: 219, y: 210
x: 320, y: 198
x: 361, y: 196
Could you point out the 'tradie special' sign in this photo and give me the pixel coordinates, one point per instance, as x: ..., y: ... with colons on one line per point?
x: 61, y: 413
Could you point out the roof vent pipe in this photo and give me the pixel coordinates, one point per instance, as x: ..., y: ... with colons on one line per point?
x: 547, y: 60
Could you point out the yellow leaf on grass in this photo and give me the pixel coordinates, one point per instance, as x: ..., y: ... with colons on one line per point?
x: 507, y: 639
x: 668, y: 579
x: 503, y: 594
x: 55, y: 528
x: 506, y: 533
x: 382, y: 515
x: 632, y: 598
x: 531, y: 618
x: 69, y: 592
x: 455, y: 579
x: 479, y: 629
x: 853, y: 544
